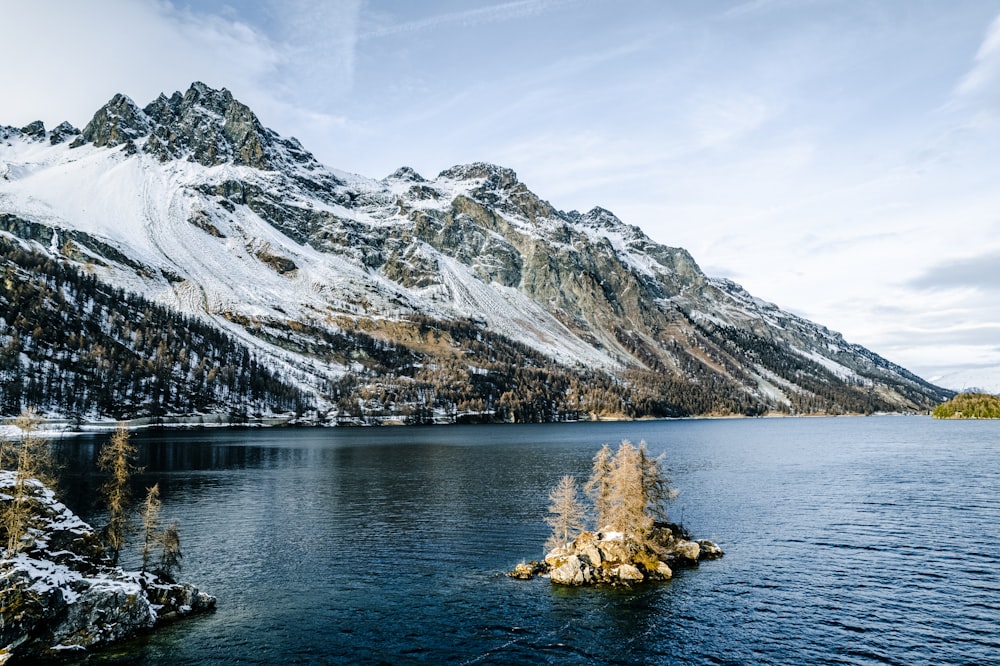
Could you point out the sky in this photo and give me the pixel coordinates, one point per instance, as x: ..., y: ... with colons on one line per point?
x: 838, y: 158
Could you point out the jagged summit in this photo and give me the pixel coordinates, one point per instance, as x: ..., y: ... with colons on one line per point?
x: 35, y: 131
x: 203, y: 125
x: 466, y: 292
x: 407, y: 175
x: 493, y: 176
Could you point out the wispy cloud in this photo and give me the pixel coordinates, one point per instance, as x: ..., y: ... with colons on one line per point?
x: 985, y: 71
x: 720, y: 120
x: 982, y: 273
x: 491, y: 14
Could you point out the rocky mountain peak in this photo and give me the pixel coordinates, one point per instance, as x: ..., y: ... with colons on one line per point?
x: 34, y: 130
x: 117, y: 122
x: 62, y: 132
x: 203, y: 125
x: 495, y: 177
x: 406, y: 174
x: 601, y: 218
x: 210, y: 127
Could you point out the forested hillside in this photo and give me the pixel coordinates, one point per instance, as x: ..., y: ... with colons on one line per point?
x: 70, y: 344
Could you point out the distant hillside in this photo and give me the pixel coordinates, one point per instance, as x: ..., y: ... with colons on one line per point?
x: 969, y: 406
x: 462, y: 297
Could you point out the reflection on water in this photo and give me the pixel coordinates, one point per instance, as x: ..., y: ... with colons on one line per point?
x: 848, y: 541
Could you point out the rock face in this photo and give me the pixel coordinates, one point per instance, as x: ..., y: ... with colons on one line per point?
x: 610, y: 558
x: 57, y: 595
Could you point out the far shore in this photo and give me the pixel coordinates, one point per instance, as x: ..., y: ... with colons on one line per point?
x: 63, y: 427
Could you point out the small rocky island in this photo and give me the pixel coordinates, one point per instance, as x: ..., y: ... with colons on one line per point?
x: 61, y: 589
x: 636, y: 544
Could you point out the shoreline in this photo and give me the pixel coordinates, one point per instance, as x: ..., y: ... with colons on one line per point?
x: 59, y: 427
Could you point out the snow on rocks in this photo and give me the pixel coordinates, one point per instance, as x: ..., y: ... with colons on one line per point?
x: 57, y: 594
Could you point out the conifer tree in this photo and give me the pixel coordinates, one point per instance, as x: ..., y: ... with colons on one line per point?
x: 598, y: 487
x: 629, y: 490
x: 118, y: 458
x: 150, y: 523
x: 655, y: 484
x: 170, y: 552
x: 566, y: 513
x: 30, y: 461
x: 627, y: 501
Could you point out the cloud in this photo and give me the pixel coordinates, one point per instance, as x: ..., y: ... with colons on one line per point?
x: 721, y: 120
x: 983, y: 79
x: 75, y: 58
x: 984, y: 336
x: 981, y: 273
x: 490, y: 14
x: 316, y: 40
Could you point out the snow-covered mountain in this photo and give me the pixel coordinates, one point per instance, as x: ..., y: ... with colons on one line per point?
x: 461, y: 294
x: 977, y: 380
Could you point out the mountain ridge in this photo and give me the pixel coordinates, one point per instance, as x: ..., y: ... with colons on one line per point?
x: 192, y: 203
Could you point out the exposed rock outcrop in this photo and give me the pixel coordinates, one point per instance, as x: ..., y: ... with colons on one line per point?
x: 610, y: 558
x: 56, y: 594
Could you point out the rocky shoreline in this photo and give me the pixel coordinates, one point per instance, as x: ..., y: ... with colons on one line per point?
x: 609, y: 558
x: 57, y: 594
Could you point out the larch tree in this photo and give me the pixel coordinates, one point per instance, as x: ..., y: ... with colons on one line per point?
x: 627, y: 501
x: 656, y: 488
x: 117, y: 458
x: 30, y: 460
x: 170, y: 552
x: 598, y: 487
x: 150, y: 523
x: 566, y: 513
x: 629, y: 489
x: 166, y: 539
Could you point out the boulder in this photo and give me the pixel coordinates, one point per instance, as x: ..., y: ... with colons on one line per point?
x: 523, y: 571
x: 709, y: 550
x: 663, y: 571
x: 628, y: 574
x: 570, y: 572
x: 686, y: 552
x: 109, y: 610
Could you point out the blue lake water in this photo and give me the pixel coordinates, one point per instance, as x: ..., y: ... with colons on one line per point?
x: 848, y: 541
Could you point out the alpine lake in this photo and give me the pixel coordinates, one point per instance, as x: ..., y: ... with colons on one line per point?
x: 848, y: 541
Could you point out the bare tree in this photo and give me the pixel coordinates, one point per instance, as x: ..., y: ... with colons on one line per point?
x: 170, y: 552
x: 167, y: 539
x: 627, y: 510
x: 656, y: 488
x: 566, y: 513
x: 118, y: 458
x: 31, y: 463
x: 150, y: 523
x: 598, y: 487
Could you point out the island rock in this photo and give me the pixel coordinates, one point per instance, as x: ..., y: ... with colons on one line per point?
x: 610, y: 558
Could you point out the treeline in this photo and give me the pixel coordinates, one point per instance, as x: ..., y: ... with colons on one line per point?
x: 819, y: 390
x: 457, y: 371
x: 74, y: 345
x: 969, y: 406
